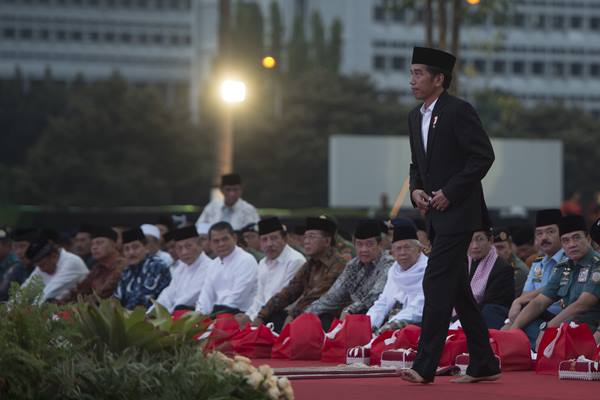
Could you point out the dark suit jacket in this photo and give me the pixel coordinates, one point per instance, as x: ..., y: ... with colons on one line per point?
x: 500, y: 288
x: 459, y: 154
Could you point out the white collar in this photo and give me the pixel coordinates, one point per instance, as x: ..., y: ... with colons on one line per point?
x: 428, y: 109
x: 229, y: 258
x: 280, y: 258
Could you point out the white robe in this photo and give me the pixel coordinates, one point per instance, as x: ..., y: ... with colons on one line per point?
x: 274, y: 275
x: 186, y: 283
x: 404, y: 287
x: 70, y: 270
x: 231, y: 282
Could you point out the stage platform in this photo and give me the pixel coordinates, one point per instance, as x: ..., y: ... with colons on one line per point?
x: 512, y: 386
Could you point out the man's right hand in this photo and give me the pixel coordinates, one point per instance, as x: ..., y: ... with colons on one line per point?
x: 257, y: 321
x: 421, y: 199
x: 515, y: 309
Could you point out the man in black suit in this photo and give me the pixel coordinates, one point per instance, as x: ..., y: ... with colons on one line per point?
x: 451, y: 153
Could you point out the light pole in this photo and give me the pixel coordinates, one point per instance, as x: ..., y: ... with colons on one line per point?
x: 232, y: 92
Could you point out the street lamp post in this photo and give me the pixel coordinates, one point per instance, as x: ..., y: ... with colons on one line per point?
x: 232, y: 92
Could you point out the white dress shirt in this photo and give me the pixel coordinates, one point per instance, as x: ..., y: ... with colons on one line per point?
x: 274, y: 275
x: 426, y: 114
x: 404, y: 287
x: 70, y: 270
x: 239, y: 215
x: 231, y: 282
x: 186, y: 284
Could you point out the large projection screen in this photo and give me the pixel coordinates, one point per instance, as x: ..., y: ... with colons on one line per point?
x: 526, y: 173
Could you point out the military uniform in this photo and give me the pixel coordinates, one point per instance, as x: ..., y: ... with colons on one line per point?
x: 540, y: 273
x: 344, y: 247
x: 521, y: 272
x: 570, y: 279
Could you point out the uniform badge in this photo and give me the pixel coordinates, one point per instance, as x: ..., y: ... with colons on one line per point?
x: 583, y: 275
x: 435, y: 119
x: 596, y: 276
x: 538, y: 272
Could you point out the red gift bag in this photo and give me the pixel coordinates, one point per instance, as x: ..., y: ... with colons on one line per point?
x: 301, y: 339
x: 456, y: 344
x: 353, y: 330
x: 223, y: 329
x: 513, y: 348
x: 254, y: 342
x: 566, y: 342
x: 405, y: 338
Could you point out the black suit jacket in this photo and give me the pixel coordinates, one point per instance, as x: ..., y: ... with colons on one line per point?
x: 459, y: 154
x: 500, y: 288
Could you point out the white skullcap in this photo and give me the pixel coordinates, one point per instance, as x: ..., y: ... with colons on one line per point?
x: 150, y: 230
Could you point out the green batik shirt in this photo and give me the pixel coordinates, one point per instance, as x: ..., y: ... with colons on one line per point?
x: 569, y: 279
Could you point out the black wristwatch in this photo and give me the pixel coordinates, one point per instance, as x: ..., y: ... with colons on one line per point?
x: 543, y: 326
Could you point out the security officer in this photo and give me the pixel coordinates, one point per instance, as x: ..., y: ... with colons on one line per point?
x: 547, y: 239
x: 503, y: 244
x: 575, y: 282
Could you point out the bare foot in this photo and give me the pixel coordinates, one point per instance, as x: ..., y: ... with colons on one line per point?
x: 410, y: 375
x: 475, y: 379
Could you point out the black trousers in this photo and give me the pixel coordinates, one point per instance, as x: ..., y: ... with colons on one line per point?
x: 446, y: 286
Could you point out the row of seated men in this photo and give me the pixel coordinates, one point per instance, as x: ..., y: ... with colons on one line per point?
x: 283, y: 284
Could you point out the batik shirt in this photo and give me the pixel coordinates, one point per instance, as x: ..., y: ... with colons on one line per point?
x: 143, y: 282
x: 356, y: 289
x: 311, y: 281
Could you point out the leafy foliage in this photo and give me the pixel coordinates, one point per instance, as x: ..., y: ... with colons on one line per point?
x: 105, y: 352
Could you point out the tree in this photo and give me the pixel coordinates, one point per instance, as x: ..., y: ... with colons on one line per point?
x: 318, y: 51
x: 277, y: 31
x: 115, y: 145
x: 297, y: 49
x: 334, y: 50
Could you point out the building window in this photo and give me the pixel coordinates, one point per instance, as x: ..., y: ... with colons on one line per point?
x: 8, y: 33
x: 595, y: 70
x: 109, y: 37
x: 175, y: 39
x: 519, y: 21
x: 479, y: 66
x: 398, y: 63
x: 142, y: 38
x: 398, y: 14
x: 576, y: 69
x: 538, y: 21
x: 538, y: 68
x: 94, y: 36
x: 126, y: 37
x: 26, y: 33
x: 499, y: 66
x: 576, y: 22
x: 518, y: 67
x: 61, y: 35
x: 158, y: 39
x: 558, y: 69
x: 379, y: 13
x: 379, y: 62
x: 558, y: 22
x: 44, y: 34
x: 595, y: 23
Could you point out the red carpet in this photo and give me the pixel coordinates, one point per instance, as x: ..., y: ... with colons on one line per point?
x: 512, y: 386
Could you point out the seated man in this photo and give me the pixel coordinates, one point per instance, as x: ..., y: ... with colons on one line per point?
x: 59, y: 270
x: 312, y: 280
x: 231, y: 282
x: 145, y: 276
x: 9, y: 262
x: 492, y: 279
x: 504, y: 247
x: 547, y: 238
x: 575, y: 282
x: 276, y: 269
x: 361, y: 282
x: 188, y: 278
x: 154, y: 245
x: 104, y: 277
x: 404, y: 284
x: 251, y: 241
x: 82, y: 243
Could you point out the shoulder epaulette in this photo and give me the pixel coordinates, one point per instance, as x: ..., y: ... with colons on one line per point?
x: 562, y: 263
x: 539, y: 259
